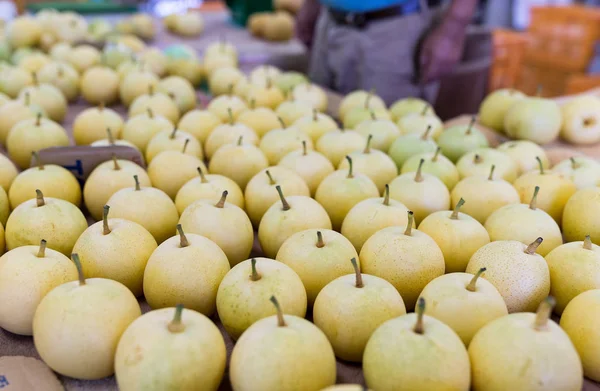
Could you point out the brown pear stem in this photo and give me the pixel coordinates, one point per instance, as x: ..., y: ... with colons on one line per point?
x: 533, y: 202
x: 574, y: 164
x: 368, y: 98
x: 230, y: 88
x: 373, y: 117
x: 587, y: 242
x: 540, y: 165
x: 37, y: 161
x: 252, y: 103
x: 424, y: 111
x: 386, y: 195
x: 492, y: 169
x: 271, y: 180
x: 477, y: 159
x: 409, y: 223
x: 425, y: 135
x: 255, y: 275
x: 315, y: 115
x: 202, y: 177
x: 284, y: 202
x: 280, y: 318
x: 543, y: 313
x: 473, y: 284
x: 77, y: 263
x: 105, y: 227
x: 185, y: 145
x: 419, y: 174
x: 176, y: 326
x: 350, y: 167
x: 137, y: 183
x: 454, y: 215
x: 531, y: 249
x: 470, y: 127
x: 240, y: 140
x: 36, y: 81
x: 116, y: 166
x: 304, y: 148
x: 173, y: 133
x: 39, y: 198
x: 230, y: 116
x: 281, y: 122
x: 359, y: 280
x: 183, y: 241
x: 109, y: 135
x: 38, y: 119
x: 320, y: 242
x: 42, y: 251
x: 436, y: 154
x: 221, y: 202
x: 368, y: 145
x: 150, y: 112
x: 27, y: 99
x: 420, y: 310
x: 150, y: 90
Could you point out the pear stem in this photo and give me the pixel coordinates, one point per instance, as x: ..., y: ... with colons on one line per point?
x: 176, y: 326
x: 173, y: 133
x: 473, y: 284
x: 27, y: 99
x: 281, y: 122
x: 284, y: 202
x: 368, y: 145
x: 315, y: 115
x: 137, y: 183
x: 38, y: 119
x: 574, y: 164
x: 533, y: 246
x: 543, y: 313
x: 320, y: 242
x: 38, y: 161
x: 105, y: 227
x: 587, y: 242
x: 185, y: 145
x: 280, y: 318
x: 77, y: 263
x: 230, y: 115
x: 454, y: 215
x: 425, y: 135
x: 150, y: 90
x: 420, y: 310
x: 436, y: 154
x: 39, y: 198
x: 419, y: 175
x: 540, y: 164
x: 109, y: 135
x: 42, y: 251
x: 239, y: 141
x: 202, y: 177
x: 304, y: 148
x: 252, y: 103
x: 255, y: 276
x: 150, y: 112
x: 533, y: 202
x: 368, y: 98
x: 221, y: 202
x: 373, y: 117
x: 230, y: 89
x: 492, y: 169
x: 424, y: 111
x: 350, y: 167
x: 477, y: 159
x: 386, y: 195
x: 470, y: 128
x: 183, y: 241
x: 409, y: 224
x: 116, y: 166
x: 359, y: 280
x: 271, y: 180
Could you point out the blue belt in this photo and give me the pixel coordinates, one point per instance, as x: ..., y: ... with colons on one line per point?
x: 362, y: 19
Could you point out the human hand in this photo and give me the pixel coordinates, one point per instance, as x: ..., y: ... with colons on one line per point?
x: 306, y: 19
x: 441, y: 50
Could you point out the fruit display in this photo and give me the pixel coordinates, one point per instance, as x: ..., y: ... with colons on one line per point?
x: 273, y: 237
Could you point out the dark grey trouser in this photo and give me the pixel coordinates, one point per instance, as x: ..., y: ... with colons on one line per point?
x: 382, y: 56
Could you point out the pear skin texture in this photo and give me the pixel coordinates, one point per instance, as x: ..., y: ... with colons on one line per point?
x: 277, y: 225
x: 24, y: 281
x: 100, y: 84
x: 259, y: 119
x: 54, y: 181
x: 170, y: 170
x: 313, y: 167
x: 384, y: 132
x: 312, y: 94
x: 346, y: 387
x: 105, y: 181
x: 530, y: 359
x: 2, y: 242
x: 8, y: 172
x: 166, y: 141
x: 406, y: 106
x: 120, y: 255
x: 222, y: 78
x: 316, y: 128
x: 375, y: 164
x: 455, y: 141
x: 580, y: 321
x: 398, y: 359
x: 265, y: 96
x: 178, y: 88
x: 238, y: 162
x: 140, y: 129
x: 349, y: 315
x: 279, y: 142
x: 27, y: 137
x: 520, y: 222
x: 241, y: 302
x: 220, y: 107
x: 362, y: 114
x: 458, y: 238
x: 494, y: 107
x: 200, y: 123
x: 335, y: 145
x: 187, y: 275
x: 59, y: 222
x: 584, y: 173
x: 229, y: 227
x: 228, y: 134
x: 580, y: 120
x: 505, y: 166
x: 160, y: 103
x: 12, y: 113
x: 483, y: 196
x: 358, y: 99
x: 211, y: 190
x: 49, y: 98
x: 77, y: 327
x: 442, y: 168
x: 417, y: 123
x: 91, y: 124
x: 409, y: 145
x: 4, y: 208
x: 338, y: 194
x: 317, y: 266
x: 136, y: 83
x: 535, y: 119
x: 149, y: 207
x: 573, y: 270
x: 291, y: 111
x: 524, y: 153
x: 579, y: 215
x: 407, y: 262
x: 449, y: 301
x: 293, y: 357
x: 150, y: 357
x: 523, y: 280
x: 423, y: 198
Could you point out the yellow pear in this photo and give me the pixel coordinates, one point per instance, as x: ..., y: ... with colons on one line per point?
x: 458, y: 235
x: 579, y: 215
x: 524, y: 222
x: 372, y: 215
x: 208, y: 187
x: 221, y: 47
x: 295, y: 214
x: 291, y: 111
x: 199, y: 123
x: 239, y: 162
x: 411, y: 144
x: 108, y: 178
x: 262, y: 73
x: 13, y: 80
x: 4, y: 99
x: 359, y: 99
x: 4, y: 212
x: 525, y: 153
x: 259, y: 119
x: 221, y: 80
x: 54, y: 181
x: 77, y: 325
x: 59, y: 51
x: 265, y: 96
x: 83, y: 57
x: 140, y: 129
x: 116, y: 249
x: 62, y: 76
x: 415, y: 123
x: 583, y: 171
x: 580, y: 120
x: 351, y: 307
x: 337, y: 144
x: 158, y: 62
x: 90, y: 125
x: 316, y: 125
x: 319, y: 256
x: 464, y: 302
x: 534, y: 118
x: 534, y: 352
x: 110, y: 141
x: 49, y: 98
x: 225, y: 224
x: 556, y: 190
x: 457, y: 140
x: 494, y: 107
x: 422, y: 193
x: 100, y: 84
x: 32, y: 62
x: 312, y: 94
x: 249, y: 285
x: 179, y: 342
x: 221, y: 105
x: 410, y: 105
x: 180, y: 90
x: 519, y: 273
x: 27, y: 274
x: 416, y: 352
x: 260, y: 191
x: 23, y: 31
x: 579, y: 320
x: 279, y: 142
x: 13, y: 112
x: 408, y: 258
x: 173, y: 140
x: 136, y: 83
x: 435, y: 164
x: 484, y: 195
x: 480, y: 161
x: 574, y: 268
x: 312, y: 166
x: 347, y: 387
x: 297, y: 348
x: 217, y: 61
x: 55, y: 220
x: 185, y: 269
x: 341, y: 190
x: 383, y: 131
x: 158, y: 102
x: 229, y: 133
x: 8, y: 172
x: 240, y: 89
x: 151, y: 208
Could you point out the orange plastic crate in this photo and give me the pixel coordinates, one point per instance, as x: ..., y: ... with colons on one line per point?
x: 577, y: 84
x: 508, y: 49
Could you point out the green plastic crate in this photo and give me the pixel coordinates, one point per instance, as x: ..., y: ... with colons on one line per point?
x: 88, y: 7
x: 242, y: 9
